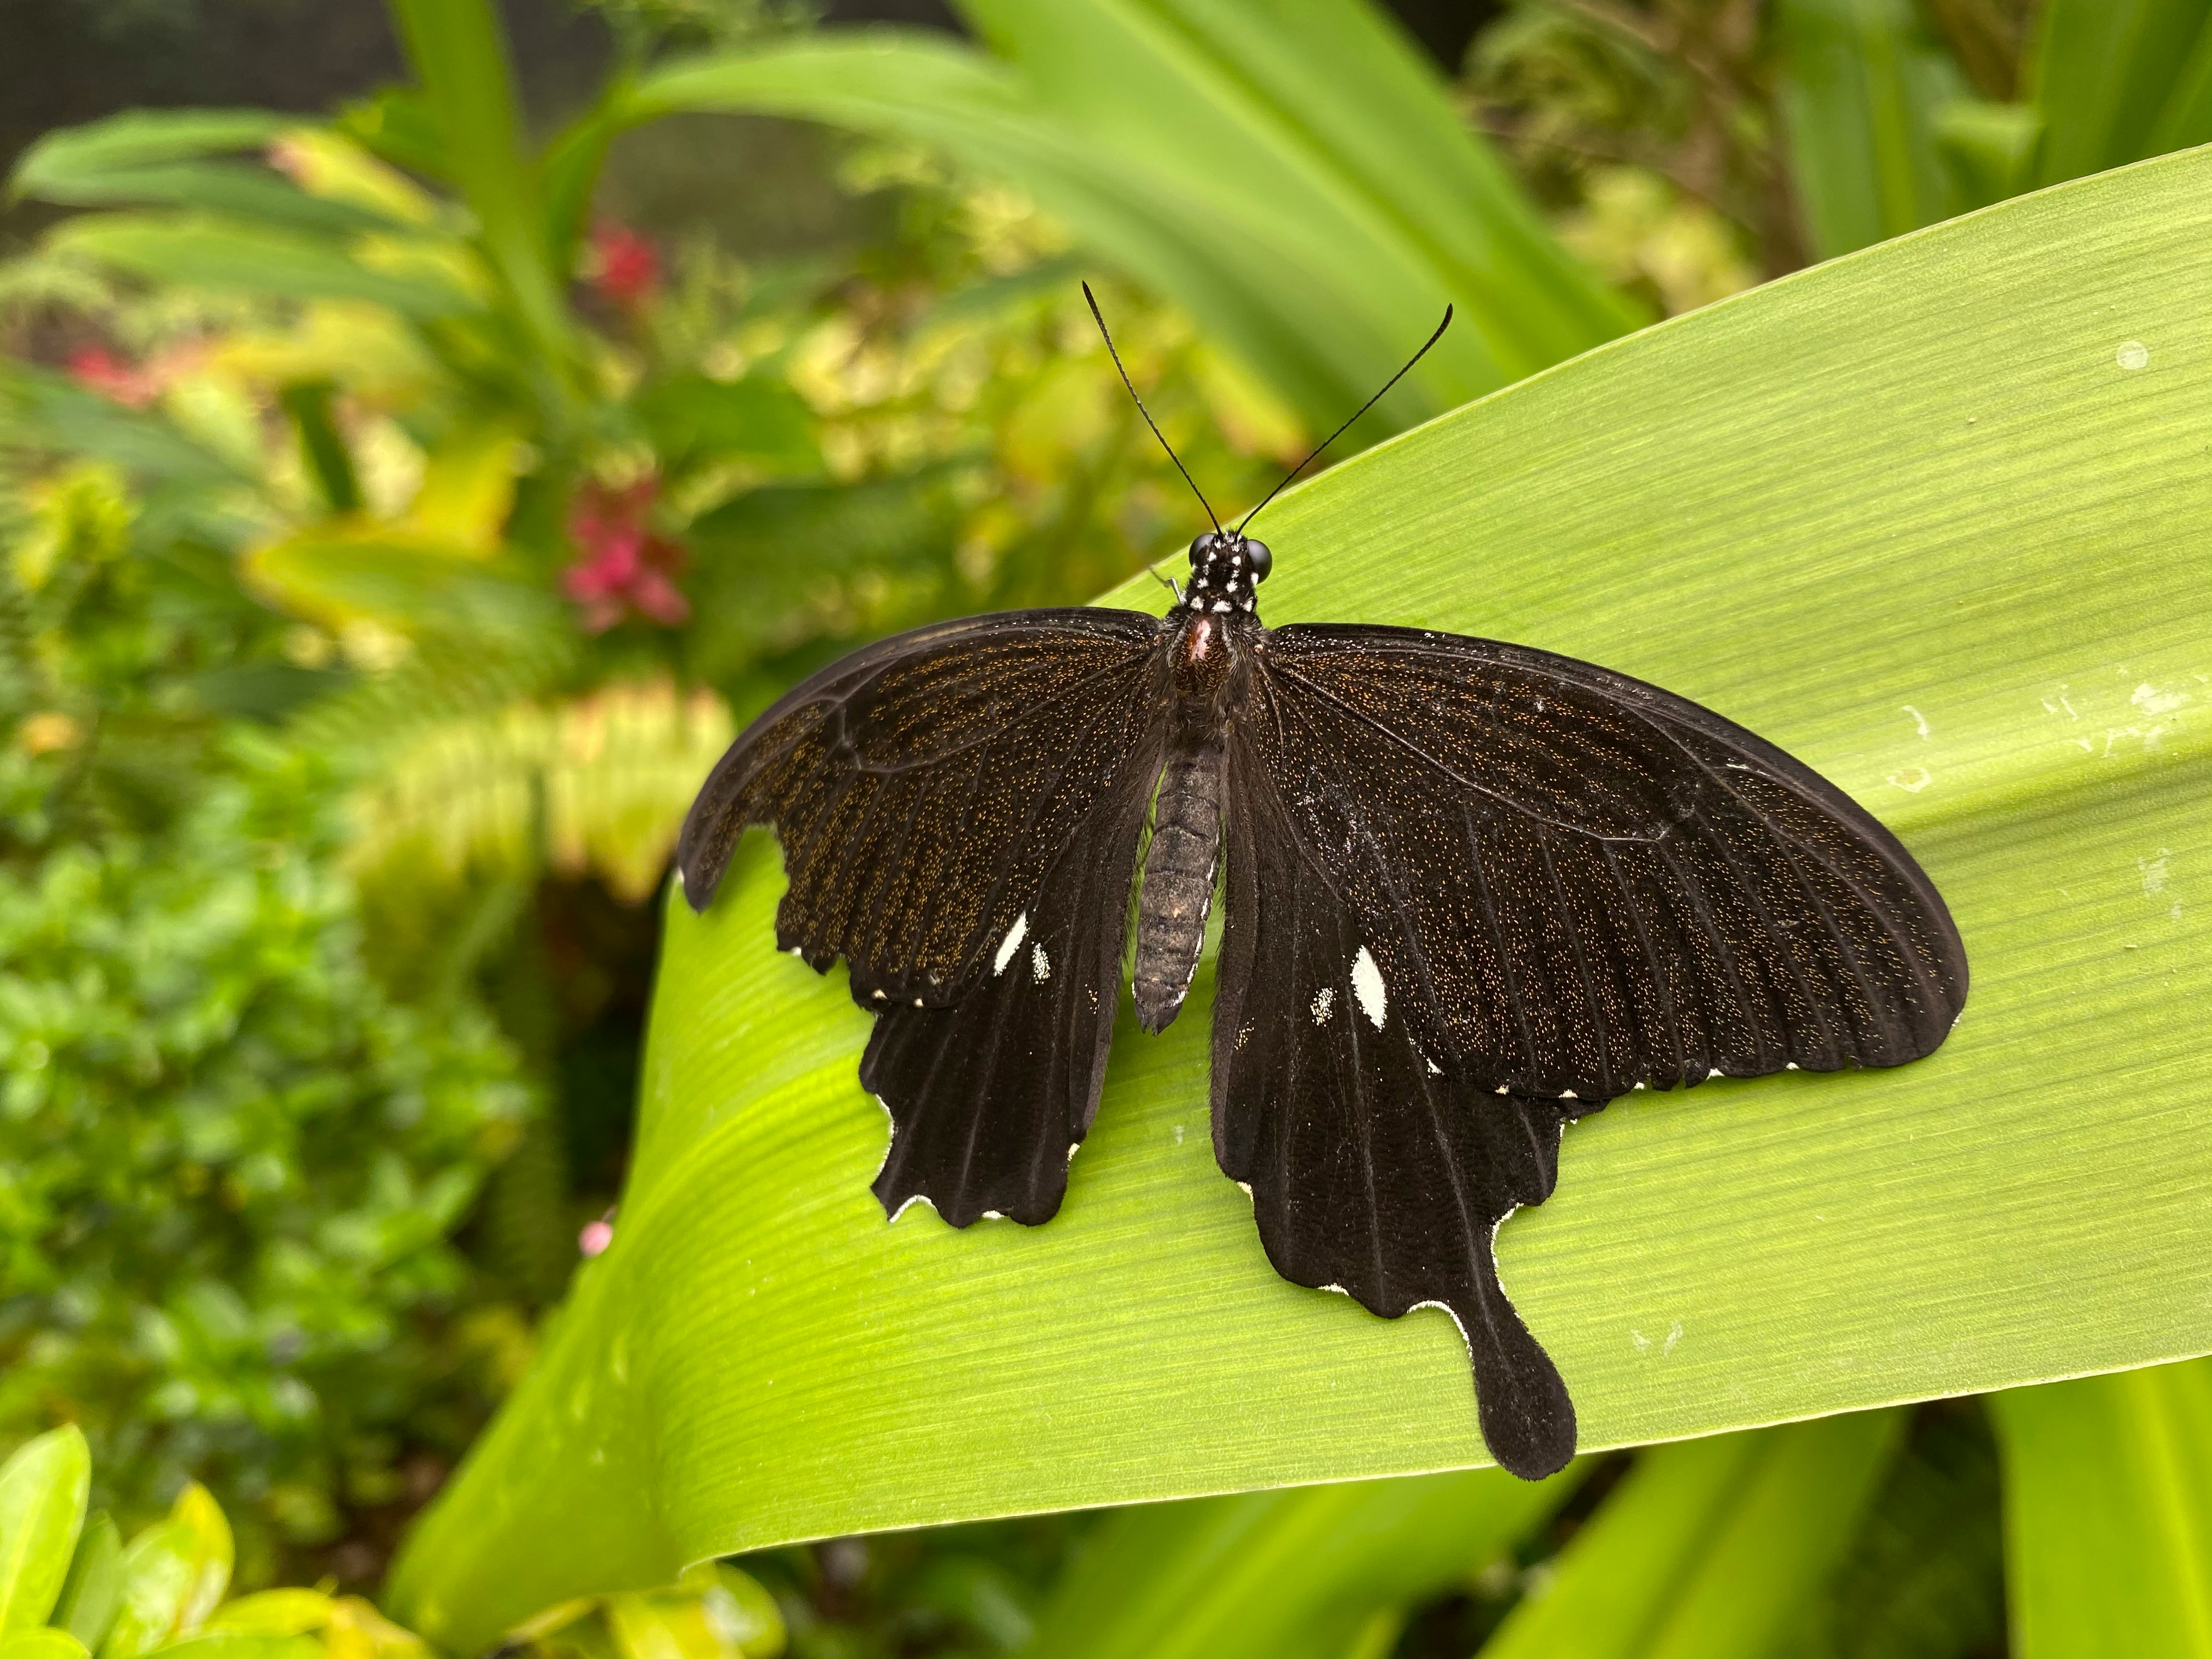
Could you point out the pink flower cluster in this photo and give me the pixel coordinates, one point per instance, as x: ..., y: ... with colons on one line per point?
x: 625, y: 567
x: 623, y: 267
x: 132, y: 385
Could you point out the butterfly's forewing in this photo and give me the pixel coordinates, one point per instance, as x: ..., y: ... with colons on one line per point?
x: 959, y: 809
x: 1578, y: 882
x: 1475, y: 889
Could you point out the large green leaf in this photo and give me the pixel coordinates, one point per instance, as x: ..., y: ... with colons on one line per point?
x: 459, y: 55
x: 234, y: 189
x: 1304, y: 189
x: 67, y: 160
x: 1861, y: 87
x: 1284, y: 1575
x: 2108, y: 1514
x: 2118, y: 80
x: 203, y: 251
x: 1707, y: 1549
x: 1932, y: 516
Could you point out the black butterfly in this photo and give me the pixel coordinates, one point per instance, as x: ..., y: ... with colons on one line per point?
x: 1472, y: 890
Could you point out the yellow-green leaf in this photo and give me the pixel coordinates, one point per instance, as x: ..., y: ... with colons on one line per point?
x: 716, y: 1612
x: 273, y: 1613
x: 1707, y: 1549
x: 174, y: 1577
x: 342, y: 574
x: 243, y: 1644
x: 45, y: 1643
x: 232, y: 255
x: 42, y: 1497
x: 358, y: 1631
x: 1933, y: 517
x: 1284, y: 1575
x: 2108, y: 1514
x: 94, y: 1586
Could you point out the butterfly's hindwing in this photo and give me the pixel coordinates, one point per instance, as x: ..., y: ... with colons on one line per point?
x: 1372, y: 1169
x: 959, y: 810
x: 990, y: 1096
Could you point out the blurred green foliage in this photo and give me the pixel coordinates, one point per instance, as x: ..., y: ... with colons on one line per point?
x: 362, y: 660
x: 234, y: 1163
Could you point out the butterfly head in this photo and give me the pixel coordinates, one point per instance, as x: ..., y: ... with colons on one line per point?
x: 1226, y: 570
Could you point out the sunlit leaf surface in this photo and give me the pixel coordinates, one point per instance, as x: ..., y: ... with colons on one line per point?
x: 1933, y: 516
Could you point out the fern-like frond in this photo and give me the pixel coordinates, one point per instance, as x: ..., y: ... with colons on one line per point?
x: 596, y: 784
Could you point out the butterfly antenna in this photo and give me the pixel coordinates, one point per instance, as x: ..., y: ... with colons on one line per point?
x: 1148, y: 413
x: 1347, y: 427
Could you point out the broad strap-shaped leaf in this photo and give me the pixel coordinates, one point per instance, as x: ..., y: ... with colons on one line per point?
x: 1931, y: 517
x: 1709, y: 1549
x: 2108, y: 1513
x: 1302, y: 188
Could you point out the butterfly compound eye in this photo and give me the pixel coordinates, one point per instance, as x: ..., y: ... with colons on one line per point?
x: 1257, y: 559
x: 1201, y: 548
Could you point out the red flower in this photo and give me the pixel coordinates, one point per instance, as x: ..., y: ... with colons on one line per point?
x: 97, y: 369
x: 623, y: 267
x: 625, y: 567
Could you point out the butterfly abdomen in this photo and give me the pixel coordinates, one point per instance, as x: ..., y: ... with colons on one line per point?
x: 1178, y: 879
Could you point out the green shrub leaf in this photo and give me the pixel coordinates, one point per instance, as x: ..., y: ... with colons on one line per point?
x: 63, y: 162
x: 1932, y: 517
x: 174, y: 1574
x: 94, y: 1586
x: 42, y: 1643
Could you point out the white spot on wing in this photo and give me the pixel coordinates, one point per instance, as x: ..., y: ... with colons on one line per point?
x: 1011, y: 943
x: 1324, y: 1004
x: 1367, y: 985
x: 1040, y: 964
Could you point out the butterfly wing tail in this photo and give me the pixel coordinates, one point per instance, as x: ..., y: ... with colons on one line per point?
x: 1377, y: 1166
